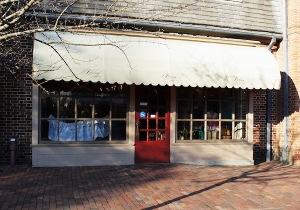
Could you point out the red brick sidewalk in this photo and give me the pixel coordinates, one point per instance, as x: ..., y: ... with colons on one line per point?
x: 158, y: 186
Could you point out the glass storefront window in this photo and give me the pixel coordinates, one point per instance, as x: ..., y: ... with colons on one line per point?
x: 211, y: 114
x: 98, y: 114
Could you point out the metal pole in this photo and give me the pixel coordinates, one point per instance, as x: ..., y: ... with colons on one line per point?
x: 286, y: 82
x: 269, y: 94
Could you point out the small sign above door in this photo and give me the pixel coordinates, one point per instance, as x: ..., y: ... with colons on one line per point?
x: 143, y: 103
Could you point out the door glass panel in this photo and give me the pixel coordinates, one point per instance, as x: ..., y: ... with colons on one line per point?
x: 161, y: 136
x: 152, y: 124
x: 143, y: 136
x: 143, y: 124
x: 152, y: 136
x: 152, y: 112
x: 161, y: 124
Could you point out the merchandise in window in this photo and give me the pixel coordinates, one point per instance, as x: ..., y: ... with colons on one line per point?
x: 94, y: 114
x: 211, y: 114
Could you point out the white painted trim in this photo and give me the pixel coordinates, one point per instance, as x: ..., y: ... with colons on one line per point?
x: 131, y: 116
x: 173, y: 115
x: 35, y: 114
x: 250, y: 119
x: 172, y: 121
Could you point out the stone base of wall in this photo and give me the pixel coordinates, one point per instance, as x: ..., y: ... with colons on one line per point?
x: 213, y: 154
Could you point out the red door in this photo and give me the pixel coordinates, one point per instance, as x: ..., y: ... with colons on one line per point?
x: 152, y: 121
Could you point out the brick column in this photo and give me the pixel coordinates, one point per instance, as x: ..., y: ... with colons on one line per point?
x: 294, y: 78
x: 15, y: 100
x: 293, y: 32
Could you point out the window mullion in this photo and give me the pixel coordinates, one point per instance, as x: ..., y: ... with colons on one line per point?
x: 58, y: 116
x: 75, y: 119
x: 93, y: 120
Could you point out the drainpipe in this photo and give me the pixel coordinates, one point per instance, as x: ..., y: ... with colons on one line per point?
x: 269, y: 92
x: 286, y: 84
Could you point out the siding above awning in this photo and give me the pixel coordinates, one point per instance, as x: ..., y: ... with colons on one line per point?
x: 156, y: 61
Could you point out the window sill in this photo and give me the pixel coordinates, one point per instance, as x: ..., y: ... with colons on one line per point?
x: 224, y: 141
x: 81, y: 144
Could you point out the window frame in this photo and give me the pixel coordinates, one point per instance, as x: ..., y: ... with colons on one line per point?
x: 204, y: 120
x: 76, y: 118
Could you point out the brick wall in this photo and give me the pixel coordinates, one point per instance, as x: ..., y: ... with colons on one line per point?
x: 16, y: 100
x: 294, y: 87
x: 15, y: 109
x: 294, y: 74
x: 259, y: 125
x: 16, y: 105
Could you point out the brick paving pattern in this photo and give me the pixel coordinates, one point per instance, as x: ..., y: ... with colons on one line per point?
x: 151, y: 186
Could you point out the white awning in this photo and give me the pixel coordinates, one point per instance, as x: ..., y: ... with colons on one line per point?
x: 157, y: 61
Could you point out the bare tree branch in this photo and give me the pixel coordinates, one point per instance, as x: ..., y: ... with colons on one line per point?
x: 15, y: 16
x: 64, y: 10
x: 25, y: 17
x: 45, y: 43
x: 19, y: 33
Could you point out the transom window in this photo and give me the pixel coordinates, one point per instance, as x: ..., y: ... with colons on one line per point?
x: 84, y: 113
x: 211, y: 114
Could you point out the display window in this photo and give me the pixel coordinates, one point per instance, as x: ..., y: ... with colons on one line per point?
x: 83, y: 113
x: 211, y: 114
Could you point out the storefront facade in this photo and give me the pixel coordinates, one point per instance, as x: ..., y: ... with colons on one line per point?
x: 164, y: 100
x: 157, y: 82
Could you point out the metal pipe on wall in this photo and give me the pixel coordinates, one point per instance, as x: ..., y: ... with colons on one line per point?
x: 269, y: 94
x: 286, y: 82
